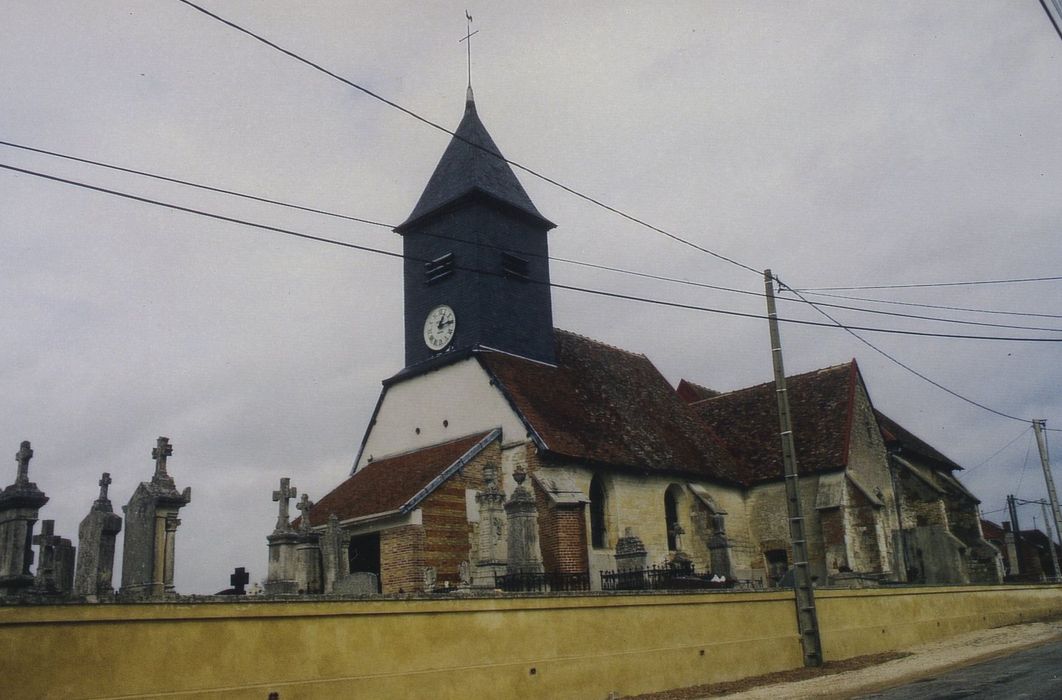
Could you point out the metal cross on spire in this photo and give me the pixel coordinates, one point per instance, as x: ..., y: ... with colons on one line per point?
x: 163, y: 450
x: 468, y: 44
x: 23, y: 457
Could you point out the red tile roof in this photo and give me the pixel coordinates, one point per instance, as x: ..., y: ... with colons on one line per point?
x: 608, y: 406
x: 898, y: 436
x: 820, y: 404
x: 388, y: 484
x: 690, y: 392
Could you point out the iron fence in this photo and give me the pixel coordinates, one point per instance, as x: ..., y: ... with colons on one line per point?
x: 543, y: 583
x: 666, y: 577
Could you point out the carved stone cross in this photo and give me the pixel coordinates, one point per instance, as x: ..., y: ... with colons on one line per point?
x: 239, y: 579
x: 159, y: 453
x: 105, y: 481
x: 47, y: 539
x: 283, y: 495
x: 304, y: 506
x: 23, y: 456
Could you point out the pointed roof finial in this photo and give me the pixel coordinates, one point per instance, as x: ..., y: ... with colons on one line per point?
x: 468, y: 45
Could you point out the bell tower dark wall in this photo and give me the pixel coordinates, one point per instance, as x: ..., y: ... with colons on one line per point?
x: 498, y: 285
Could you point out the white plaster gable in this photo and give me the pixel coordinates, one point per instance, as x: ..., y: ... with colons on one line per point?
x: 435, y: 407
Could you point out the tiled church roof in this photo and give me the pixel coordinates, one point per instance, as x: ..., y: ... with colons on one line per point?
x: 467, y: 167
x: 690, y: 392
x: 386, y: 485
x: 896, y: 434
x: 608, y: 406
x: 820, y: 403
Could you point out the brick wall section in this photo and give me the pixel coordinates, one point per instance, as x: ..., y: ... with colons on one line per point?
x: 561, y: 535
x: 448, y: 541
x: 402, y: 559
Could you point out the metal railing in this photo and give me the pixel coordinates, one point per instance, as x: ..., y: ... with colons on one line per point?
x: 543, y: 583
x: 666, y: 577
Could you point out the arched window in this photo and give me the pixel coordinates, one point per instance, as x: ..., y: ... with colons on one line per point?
x: 671, y: 511
x: 598, y: 503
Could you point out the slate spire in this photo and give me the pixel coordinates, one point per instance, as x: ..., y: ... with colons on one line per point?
x: 472, y: 164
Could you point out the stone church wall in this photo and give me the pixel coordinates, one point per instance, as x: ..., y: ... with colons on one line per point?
x: 769, y: 527
x: 868, y: 461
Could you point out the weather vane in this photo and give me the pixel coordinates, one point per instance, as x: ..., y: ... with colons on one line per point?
x: 468, y: 39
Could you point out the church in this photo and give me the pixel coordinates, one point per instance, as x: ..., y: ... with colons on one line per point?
x: 508, y: 448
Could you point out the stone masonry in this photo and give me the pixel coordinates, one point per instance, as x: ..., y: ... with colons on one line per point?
x: 20, y: 504
x: 151, y: 531
x: 281, y: 577
x: 96, y: 539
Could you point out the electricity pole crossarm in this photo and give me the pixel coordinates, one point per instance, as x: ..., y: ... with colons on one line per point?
x: 807, y: 618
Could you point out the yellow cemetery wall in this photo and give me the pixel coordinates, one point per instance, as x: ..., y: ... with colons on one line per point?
x: 562, y: 647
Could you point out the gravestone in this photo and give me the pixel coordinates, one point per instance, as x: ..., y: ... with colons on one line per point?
x: 281, y: 576
x: 491, y: 554
x: 335, y: 553
x: 20, y: 504
x: 358, y: 583
x: 46, y: 543
x: 630, y: 552
x: 151, y: 523
x: 719, y: 549
x: 97, y: 535
x: 524, y: 555
x: 239, y: 579
x: 308, y: 552
x: 65, y: 553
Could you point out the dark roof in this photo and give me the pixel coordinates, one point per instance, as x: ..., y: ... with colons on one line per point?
x: 471, y: 164
x: 992, y: 531
x: 690, y: 392
x: 388, y: 484
x: 897, y: 436
x: 608, y: 406
x: 820, y: 404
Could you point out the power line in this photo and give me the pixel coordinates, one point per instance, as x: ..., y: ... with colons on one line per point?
x: 189, y: 183
x: 851, y: 331
x: 929, y: 284
x: 931, y: 306
x: 999, y: 451
x: 581, y: 263
x: 584, y: 290
x: 435, y: 125
x: 937, y: 318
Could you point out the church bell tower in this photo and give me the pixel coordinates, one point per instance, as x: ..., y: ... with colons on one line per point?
x: 476, y: 267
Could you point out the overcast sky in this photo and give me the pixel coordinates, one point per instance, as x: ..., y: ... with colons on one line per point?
x: 838, y: 143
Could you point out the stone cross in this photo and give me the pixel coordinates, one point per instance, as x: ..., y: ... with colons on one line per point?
x: 283, y: 495
x: 239, y: 579
x: 47, y: 541
x: 105, y: 481
x: 304, y: 506
x: 23, y: 457
x: 163, y: 450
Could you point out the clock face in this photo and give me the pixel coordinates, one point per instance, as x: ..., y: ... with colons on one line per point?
x: 439, y: 327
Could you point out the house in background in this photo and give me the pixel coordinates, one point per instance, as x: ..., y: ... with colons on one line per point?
x: 1025, y: 554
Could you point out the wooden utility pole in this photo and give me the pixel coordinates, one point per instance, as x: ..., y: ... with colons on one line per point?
x: 1045, y: 462
x: 807, y: 618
